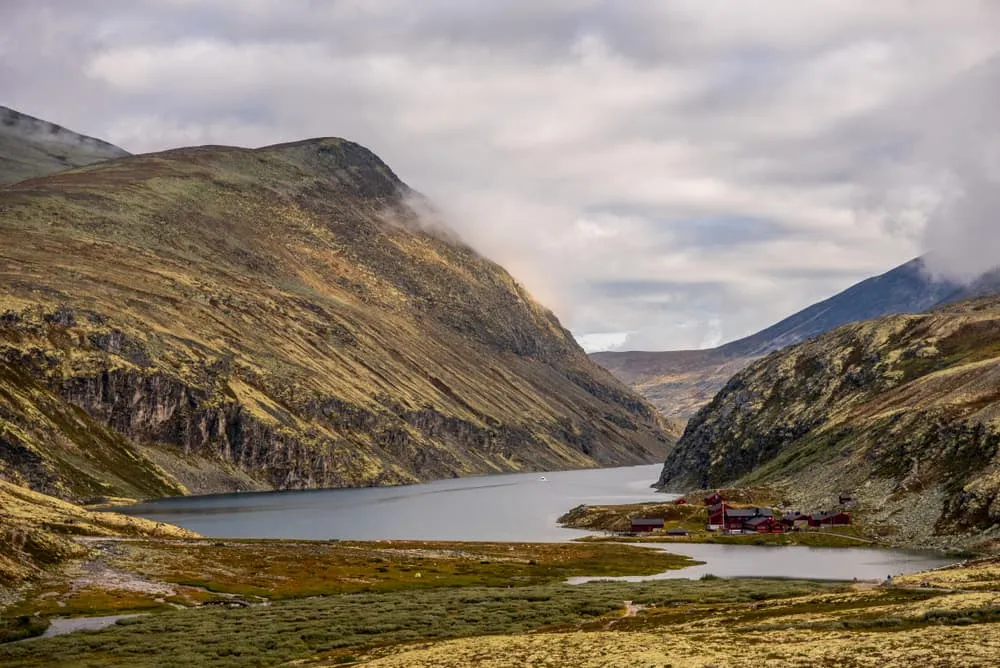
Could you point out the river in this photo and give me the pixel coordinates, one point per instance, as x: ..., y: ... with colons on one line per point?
x: 507, y: 507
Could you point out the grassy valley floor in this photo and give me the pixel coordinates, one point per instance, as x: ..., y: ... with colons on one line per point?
x: 407, y: 603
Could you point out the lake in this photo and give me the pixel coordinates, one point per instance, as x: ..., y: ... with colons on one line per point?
x: 507, y: 507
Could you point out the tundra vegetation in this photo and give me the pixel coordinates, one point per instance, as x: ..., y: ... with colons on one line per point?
x: 406, y: 603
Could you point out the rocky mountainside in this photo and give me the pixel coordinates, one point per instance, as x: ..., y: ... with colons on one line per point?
x: 210, y: 319
x: 31, y: 147
x: 37, y: 531
x: 901, y: 413
x: 680, y: 382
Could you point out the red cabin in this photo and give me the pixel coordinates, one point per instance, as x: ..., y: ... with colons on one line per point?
x: 764, y: 525
x: 641, y: 525
x: 713, y: 499
x: 829, y: 519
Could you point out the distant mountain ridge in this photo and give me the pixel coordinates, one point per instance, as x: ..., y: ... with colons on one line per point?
x: 31, y: 147
x: 678, y: 383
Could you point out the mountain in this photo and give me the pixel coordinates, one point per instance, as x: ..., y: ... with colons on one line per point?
x: 902, y: 413
x: 678, y: 383
x: 31, y: 147
x: 212, y: 318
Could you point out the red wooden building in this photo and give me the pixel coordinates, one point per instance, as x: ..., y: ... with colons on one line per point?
x: 713, y: 499
x: 728, y: 518
x: 643, y: 525
x: 829, y: 519
x: 764, y: 525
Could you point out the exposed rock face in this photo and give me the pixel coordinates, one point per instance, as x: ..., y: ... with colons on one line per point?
x: 680, y: 382
x: 901, y: 413
x: 212, y: 318
x: 31, y: 147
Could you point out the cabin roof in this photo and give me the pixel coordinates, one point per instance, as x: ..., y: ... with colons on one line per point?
x: 759, y: 520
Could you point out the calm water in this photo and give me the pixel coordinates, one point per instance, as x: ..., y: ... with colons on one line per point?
x: 793, y: 561
x: 512, y: 507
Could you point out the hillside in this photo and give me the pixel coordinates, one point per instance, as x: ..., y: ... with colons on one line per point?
x: 37, y: 531
x: 31, y: 147
x: 680, y: 382
x: 902, y: 413
x: 210, y: 319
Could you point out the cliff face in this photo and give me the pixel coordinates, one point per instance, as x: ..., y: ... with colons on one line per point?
x: 31, y: 147
x: 902, y: 413
x: 212, y: 318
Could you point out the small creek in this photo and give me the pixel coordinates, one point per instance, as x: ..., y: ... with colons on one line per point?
x: 59, y: 626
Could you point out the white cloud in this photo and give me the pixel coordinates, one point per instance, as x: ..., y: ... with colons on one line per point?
x: 662, y: 174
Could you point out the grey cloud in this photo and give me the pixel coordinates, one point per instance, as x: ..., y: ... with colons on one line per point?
x: 666, y: 172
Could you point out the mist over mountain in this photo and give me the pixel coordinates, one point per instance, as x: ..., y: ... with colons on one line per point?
x: 31, y: 147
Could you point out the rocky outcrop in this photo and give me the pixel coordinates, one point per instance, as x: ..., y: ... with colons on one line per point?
x: 902, y: 414
x: 211, y: 319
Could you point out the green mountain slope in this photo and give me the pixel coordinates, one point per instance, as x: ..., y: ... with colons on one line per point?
x: 902, y: 413
x: 213, y: 318
x: 31, y: 147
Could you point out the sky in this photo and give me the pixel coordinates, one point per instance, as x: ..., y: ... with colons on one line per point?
x: 663, y: 175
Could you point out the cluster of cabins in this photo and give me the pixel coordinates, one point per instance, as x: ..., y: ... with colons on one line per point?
x: 724, y: 517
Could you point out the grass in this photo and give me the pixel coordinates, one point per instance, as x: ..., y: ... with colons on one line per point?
x: 806, y: 538
x: 348, y: 624
x: 21, y: 628
x: 210, y: 571
x: 296, y: 569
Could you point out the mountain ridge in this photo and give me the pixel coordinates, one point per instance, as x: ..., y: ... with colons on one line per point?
x: 31, y: 147
x: 678, y: 383
x: 214, y: 318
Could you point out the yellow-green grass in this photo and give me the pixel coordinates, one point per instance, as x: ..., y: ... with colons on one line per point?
x: 818, y: 538
x: 336, y: 628
x: 284, y: 569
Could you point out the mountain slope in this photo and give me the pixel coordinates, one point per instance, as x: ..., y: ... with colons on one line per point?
x: 902, y: 413
x: 38, y: 531
x: 31, y: 147
x: 680, y: 382
x: 213, y: 318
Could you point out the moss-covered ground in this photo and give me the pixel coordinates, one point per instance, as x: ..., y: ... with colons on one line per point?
x: 408, y: 603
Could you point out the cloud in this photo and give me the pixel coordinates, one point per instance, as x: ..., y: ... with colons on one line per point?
x: 661, y: 174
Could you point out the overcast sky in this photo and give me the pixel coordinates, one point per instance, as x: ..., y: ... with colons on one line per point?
x: 661, y: 174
